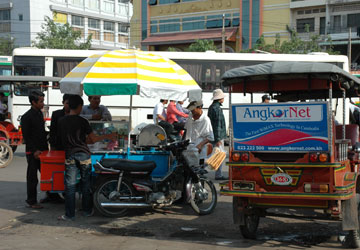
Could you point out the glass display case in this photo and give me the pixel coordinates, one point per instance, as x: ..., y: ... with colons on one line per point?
x: 108, y: 127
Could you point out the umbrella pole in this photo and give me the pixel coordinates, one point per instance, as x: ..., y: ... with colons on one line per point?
x: 130, y: 115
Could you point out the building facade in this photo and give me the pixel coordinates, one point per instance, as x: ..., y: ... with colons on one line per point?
x: 107, y: 20
x: 335, y: 21
x: 160, y: 24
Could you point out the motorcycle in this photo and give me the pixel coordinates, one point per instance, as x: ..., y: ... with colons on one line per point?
x: 126, y: 184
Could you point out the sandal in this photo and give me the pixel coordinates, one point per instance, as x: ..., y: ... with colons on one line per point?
x: 65, y: 218
x: 34, y: 206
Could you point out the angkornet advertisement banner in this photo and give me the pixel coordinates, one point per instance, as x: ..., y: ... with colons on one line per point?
x: 280, y: 127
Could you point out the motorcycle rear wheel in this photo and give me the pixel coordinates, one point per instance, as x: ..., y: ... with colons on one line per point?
x: 104, y: 189
x: 207, y: 206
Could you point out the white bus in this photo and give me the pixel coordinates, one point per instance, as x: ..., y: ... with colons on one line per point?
x: 205, y: 67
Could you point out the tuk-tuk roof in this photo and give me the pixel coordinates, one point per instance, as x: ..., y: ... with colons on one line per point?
x: 273, y: 77
x: 29, y: 79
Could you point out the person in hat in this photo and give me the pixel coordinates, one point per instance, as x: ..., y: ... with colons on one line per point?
x: 265, y: 99
x: 217, y: 119
x: 198, y: 128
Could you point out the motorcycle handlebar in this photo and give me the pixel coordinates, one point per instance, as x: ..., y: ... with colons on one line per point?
x: 179, y: 145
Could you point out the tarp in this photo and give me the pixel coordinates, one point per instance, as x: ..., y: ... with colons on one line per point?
x: 286, y: 68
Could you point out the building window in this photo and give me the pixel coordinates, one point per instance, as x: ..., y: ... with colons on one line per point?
x: 93, y: 4
x: 109, y: 28
x: 94, y: 28
x: 21, y: 17
x: 77, y: 2
x: 109, y: 6
x: 4, y: 15
x: 123, y: 27
x: 77, y: 21
x: 59, y: 18
x: 215, y: 21
x: 307, y: 11
x: 168, y: 1
x: 123, y: 35
x: 337, y: 23
x: 315, y: 11
x: 169, y: 25
x: 300, y: 12
x: 152, y: 2
x: 322, y: 25
x: 94, y: 23
x: 4, y: 27
x: 154, y: 26
x: 353, y: 20
x: 193, y: 23
x: 302, y: 24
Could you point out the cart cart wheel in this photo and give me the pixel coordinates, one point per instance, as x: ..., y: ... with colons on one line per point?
x: 249, y: 230
x: 106, y: 192
x: 6, y: 155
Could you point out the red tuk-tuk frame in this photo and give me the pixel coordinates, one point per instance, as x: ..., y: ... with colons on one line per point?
x: 329, y: 183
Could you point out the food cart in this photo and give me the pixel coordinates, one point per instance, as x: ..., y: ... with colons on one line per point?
x: 291, y: 153
x: 129, y: 72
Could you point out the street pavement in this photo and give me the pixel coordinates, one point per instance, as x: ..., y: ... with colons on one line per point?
x: 177, y: 227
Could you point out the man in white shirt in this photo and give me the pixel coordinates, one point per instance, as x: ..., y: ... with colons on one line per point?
x: 159, y: 117
x: 198, y: 128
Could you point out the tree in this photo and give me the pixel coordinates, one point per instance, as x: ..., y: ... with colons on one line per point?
x: 7, y: 45
x: 295, y: 45
x: 59, y: 36
x: 202, y: 46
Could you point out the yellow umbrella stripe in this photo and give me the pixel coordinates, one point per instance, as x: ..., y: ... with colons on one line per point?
x: 101, y: 75
x: 135, y: 76
x: 166, y: 80
x: 84, y: 64
x: 154, y: 60
x: 115, y: 65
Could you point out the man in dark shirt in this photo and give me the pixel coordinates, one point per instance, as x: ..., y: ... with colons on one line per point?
x: 75, y: 133
x: 55, y: 142
x: 33, y: 129
x: 217, y: 119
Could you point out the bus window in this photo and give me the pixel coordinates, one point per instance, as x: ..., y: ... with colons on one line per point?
x: 63, y: 66
x: 24, y: 88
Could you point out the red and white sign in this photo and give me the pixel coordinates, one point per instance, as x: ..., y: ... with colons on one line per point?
x: 282, y: 179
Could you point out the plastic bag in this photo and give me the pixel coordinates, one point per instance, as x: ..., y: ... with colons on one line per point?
x: 191, y: 155
x: 217, y: 157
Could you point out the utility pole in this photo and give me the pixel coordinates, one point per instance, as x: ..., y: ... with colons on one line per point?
x: 349, y: 48
x: 223, y: 34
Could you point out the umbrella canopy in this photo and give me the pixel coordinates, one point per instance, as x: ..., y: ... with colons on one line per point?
x: 129, y: 72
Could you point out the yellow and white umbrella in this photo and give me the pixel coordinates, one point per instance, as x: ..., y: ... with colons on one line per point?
x: 129, y: 72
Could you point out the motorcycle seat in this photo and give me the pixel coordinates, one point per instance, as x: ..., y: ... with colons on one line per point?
x: 128, y: 165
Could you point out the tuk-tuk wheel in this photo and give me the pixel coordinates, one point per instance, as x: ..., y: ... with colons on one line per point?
x: 249, y: 230
x: 6, y: 154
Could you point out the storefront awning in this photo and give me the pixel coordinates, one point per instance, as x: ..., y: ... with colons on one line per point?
x: 190, y: 37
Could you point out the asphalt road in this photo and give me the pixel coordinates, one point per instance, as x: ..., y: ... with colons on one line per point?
x: 177, y: 227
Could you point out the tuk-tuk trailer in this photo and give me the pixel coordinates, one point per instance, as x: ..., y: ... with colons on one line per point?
x: 292, y: 153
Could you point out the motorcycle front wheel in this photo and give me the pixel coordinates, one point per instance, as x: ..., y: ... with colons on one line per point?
x: 106, y: 192
x: 204, y: 201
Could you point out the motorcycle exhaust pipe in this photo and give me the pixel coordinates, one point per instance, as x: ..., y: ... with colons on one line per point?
x: 124, y: 205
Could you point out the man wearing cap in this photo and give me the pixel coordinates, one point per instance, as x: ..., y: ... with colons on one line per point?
x: 198, y: 128
x: 265, y: 99
x: 217, y: 119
